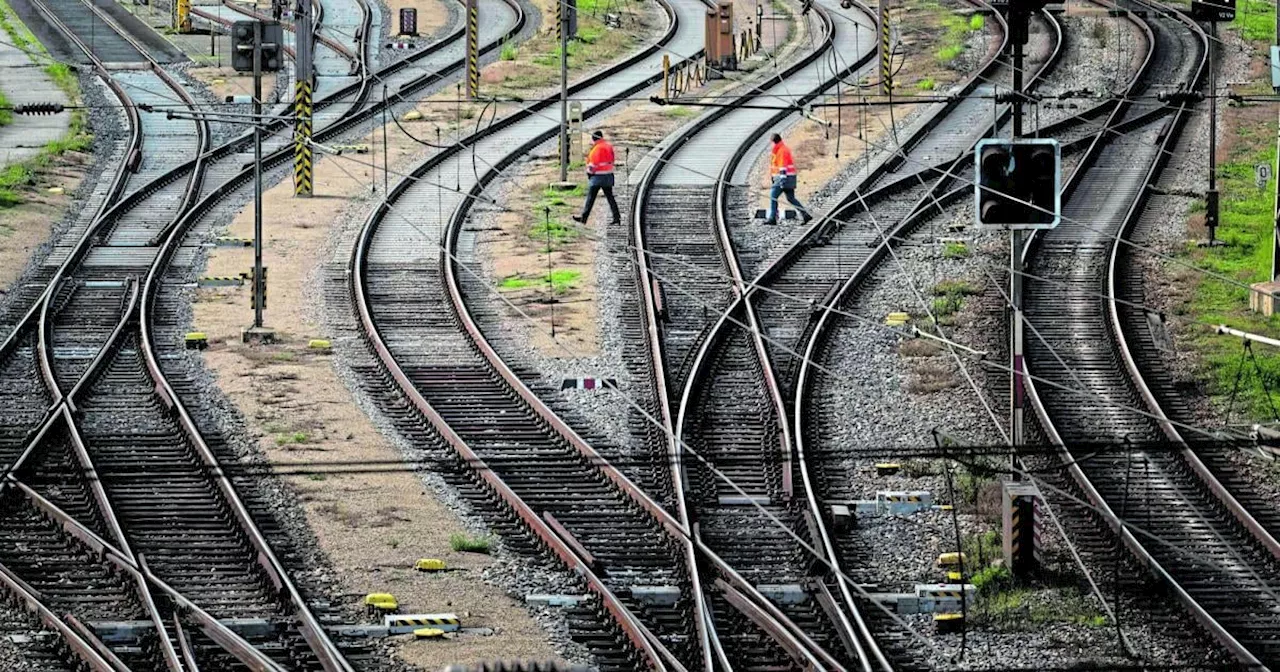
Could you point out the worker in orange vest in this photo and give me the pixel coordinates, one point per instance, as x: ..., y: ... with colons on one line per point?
x: 599, y: 176
x: 782, y: 173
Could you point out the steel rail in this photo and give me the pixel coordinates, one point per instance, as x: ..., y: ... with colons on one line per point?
x: 320, y: 643
x: 779, y: 624
x: 83, y: 649
x: 221, y: 635
x: 326, y: 652
x: 678, y: 528
x: 641, y: 638
x: 45, y: 347
x: 1171, y: 431
x: 856, y: 634
x: 845, y: 629
x: 1047, y: 425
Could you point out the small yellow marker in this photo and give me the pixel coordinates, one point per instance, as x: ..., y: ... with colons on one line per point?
x: 428, y: 633
x: 196, y: 340
x: 429, y: 565
x: 887, y: 468
x: 953, y: 576
x: 412, y: 115
x: 319, y: 344
x: 945, y: 507
x: 381, y: 602
x: 58, y: 191
x: 896, y: 319
x: 948, y: 623
x: 949, y: 559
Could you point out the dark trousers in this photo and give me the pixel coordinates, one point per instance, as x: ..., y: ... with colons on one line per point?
x: 783, y: 186
x: 596, y: 184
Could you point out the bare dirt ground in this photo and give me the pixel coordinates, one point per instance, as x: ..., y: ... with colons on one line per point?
x: 373, y: 527
x: 28, y: 225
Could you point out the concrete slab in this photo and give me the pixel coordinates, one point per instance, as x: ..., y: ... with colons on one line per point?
x: 25, y: 82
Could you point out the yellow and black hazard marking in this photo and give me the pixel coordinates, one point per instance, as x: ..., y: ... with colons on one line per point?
x: 886, y: 52
x: 401, y: 623
x: 903, y: 497
x: 220, y: 281
x: 184, y: 16
x: 302, y: 159
x: 948, y: 623
x: 473, y: 49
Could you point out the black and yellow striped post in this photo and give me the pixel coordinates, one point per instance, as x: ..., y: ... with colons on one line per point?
x: 473, y: 49
x: 1019, y: 518
x: 302, y: 159
x: 184, y: 16
x: 885, y: 49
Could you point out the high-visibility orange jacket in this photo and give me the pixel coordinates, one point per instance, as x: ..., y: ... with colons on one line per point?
x: 783, y: 164
x: 600, y: 158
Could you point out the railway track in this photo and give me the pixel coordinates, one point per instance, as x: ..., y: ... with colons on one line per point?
x: 179, y: 536
x: 457, y: 390
x: 1218, y: 554
x: 674, y: 231
x: 731, y: 410
x: 445, y: 383
x: 1110, y: 175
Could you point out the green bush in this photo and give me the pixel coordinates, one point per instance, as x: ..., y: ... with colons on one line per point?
x: 955, y: 250
x: 509, y: 51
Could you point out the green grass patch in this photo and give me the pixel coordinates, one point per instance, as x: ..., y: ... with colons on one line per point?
x: 677, y: 111
x: 955, y: 288
x: 1255, y: 20
x: 513, y: 282
x: 926, y: 84
x: 292, y: 438
x: 465, y: 543
x: 509, y: 51
x: 955, y: 250
x: 561, y: 281
x: 13, y: 180
x: 1245, y: 212
x: 977, y: 22
x: 6, y: 115
x: 955, y: 33
x: 16, y: 179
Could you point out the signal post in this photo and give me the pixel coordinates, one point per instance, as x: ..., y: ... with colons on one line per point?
x: 1018, y: 189
x: 256, y: 46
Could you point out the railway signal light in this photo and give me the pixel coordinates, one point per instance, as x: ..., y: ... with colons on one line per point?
x: 1018, y: 183
x: 271, y: 42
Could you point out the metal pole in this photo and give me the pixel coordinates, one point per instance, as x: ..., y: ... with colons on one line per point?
x: 1212, y: 204
x: 564, y: 91
x: 386, y: 157
x: 1016, y: 393
x: 304, y: 82
x: 257, y: 175
x: 473, y: 49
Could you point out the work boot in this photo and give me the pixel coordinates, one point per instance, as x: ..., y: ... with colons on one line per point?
x: 771, y: 222
x: 806, y: 217
x: 578, y: 218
